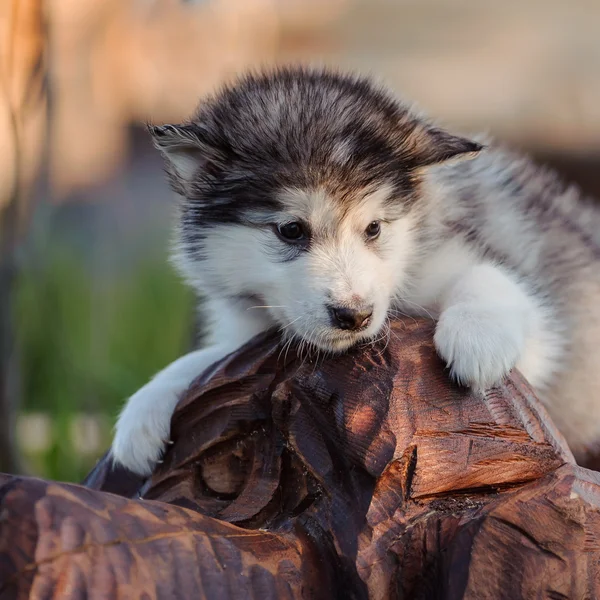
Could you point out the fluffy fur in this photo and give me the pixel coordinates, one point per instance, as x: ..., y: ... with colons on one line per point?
x: 397, y: 216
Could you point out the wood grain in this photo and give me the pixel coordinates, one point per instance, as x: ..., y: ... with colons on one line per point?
x: 369, y: 475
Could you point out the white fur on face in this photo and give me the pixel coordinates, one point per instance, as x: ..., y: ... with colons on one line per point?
x: 340, y: 268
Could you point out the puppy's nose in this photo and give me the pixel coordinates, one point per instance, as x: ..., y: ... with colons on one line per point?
x: 350, y: 318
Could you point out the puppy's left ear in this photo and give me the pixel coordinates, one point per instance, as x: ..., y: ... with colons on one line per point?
x: 433, y: 146
x: 186, y: 151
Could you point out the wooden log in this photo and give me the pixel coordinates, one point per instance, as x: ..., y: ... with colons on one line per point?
x: 368, y: 475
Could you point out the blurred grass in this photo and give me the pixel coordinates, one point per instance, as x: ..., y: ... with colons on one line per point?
x: 87, y: 342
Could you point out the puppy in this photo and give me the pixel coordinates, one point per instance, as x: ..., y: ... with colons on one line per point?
x: 317, y: 203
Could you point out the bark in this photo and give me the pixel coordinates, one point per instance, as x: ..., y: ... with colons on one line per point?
x: 368, y: 475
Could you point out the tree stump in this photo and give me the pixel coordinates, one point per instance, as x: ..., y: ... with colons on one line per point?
x: 368, y: 475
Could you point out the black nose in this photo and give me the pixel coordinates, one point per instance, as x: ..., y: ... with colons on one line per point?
x: 349, y: 318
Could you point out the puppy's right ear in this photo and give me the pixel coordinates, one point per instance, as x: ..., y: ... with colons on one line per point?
x: 186, y: 152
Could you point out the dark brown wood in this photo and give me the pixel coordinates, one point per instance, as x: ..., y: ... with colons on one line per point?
x: 369, y: 475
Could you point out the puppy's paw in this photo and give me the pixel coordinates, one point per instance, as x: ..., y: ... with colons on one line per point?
x: 480, y: 345
x: 143, y: 429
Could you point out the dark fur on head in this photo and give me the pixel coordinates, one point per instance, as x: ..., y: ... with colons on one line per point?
x: 301, y: 129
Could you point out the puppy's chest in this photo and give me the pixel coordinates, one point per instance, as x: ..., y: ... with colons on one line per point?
x: 434, y: 276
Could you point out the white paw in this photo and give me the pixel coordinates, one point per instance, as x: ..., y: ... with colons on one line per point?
x: 143, y: 428
x: 480, y: 345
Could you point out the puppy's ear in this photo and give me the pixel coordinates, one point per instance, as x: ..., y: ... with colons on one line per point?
x: 433, y: 146
x: 188, y: 155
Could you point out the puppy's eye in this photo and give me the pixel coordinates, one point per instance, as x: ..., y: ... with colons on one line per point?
x: 292, y: 232
x: 373, y: 230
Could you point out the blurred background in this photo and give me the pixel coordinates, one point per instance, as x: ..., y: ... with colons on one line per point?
x: 89, y: 306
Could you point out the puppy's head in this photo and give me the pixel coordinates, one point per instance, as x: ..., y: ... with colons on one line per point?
x: 301, y: 189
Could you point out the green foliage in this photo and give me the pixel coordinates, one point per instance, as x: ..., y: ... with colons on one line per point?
x: 88, y: 341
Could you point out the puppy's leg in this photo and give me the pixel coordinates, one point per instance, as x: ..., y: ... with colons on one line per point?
x: 489, y: 324
x: 144, y: 424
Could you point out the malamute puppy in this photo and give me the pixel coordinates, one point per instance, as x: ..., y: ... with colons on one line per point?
x: 317, y: 203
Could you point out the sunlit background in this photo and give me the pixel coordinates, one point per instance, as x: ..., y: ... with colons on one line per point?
x: 89, y: 307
